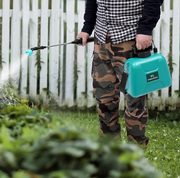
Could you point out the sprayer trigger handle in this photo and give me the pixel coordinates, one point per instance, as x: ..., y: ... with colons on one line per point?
x: 90, y: 39
x: 80, y: 40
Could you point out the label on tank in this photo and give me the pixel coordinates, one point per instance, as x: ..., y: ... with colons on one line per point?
x: 152, y: 76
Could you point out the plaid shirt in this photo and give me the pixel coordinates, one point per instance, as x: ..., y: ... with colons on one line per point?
x: 119, y: 17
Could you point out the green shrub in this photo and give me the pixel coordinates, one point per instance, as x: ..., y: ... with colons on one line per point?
x: 69, y: 153
x: 14, y: 118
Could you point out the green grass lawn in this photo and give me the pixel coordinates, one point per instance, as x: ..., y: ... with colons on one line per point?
x: 164, y: 146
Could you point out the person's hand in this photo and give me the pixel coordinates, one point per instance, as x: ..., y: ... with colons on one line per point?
x: 84, y: 37
x: 143, y: 41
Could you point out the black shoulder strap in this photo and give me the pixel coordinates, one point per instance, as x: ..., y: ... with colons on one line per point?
x: 122, y: 85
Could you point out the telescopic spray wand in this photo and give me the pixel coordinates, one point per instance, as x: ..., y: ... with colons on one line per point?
x: 77, y: 41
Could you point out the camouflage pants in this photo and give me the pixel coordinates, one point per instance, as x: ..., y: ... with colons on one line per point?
x: 107, y: 69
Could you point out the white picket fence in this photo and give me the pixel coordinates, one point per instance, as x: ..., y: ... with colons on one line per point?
x: 65, y: 73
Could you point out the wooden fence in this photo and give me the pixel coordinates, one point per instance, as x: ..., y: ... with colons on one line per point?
x: 64, y: 73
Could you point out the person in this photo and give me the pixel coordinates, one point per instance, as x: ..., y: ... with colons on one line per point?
x: 118, y: 25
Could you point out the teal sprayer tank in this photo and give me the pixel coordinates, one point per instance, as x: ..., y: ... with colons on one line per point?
x: 147, y: 74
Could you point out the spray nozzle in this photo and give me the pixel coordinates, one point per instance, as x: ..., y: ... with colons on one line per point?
x: 29, y: 52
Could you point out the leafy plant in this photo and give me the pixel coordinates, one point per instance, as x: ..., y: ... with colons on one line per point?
x: 14, y: 118
x: 68, y: 152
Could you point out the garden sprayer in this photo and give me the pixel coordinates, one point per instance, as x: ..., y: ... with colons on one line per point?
x: 145, y: 72
x: 77, y: 41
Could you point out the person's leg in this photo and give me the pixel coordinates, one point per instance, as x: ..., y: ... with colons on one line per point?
x: 136, y: 116
x: 106, y: 90
x: 108, y: 66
